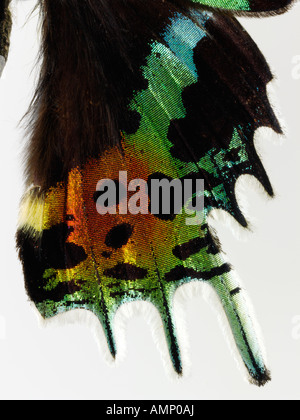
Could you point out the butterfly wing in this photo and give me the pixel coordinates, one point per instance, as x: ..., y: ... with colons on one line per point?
x: 203, y: 97
x: 247, y: 5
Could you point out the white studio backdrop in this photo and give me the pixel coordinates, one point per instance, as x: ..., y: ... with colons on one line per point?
x: 63, y: 361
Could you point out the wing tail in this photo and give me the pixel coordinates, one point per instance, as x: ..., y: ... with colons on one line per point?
x: 244, y: 332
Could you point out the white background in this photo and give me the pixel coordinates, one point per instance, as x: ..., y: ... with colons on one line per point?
x: 64, y: 362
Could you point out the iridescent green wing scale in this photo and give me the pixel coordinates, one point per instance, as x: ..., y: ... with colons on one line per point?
x: 246, y: 5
